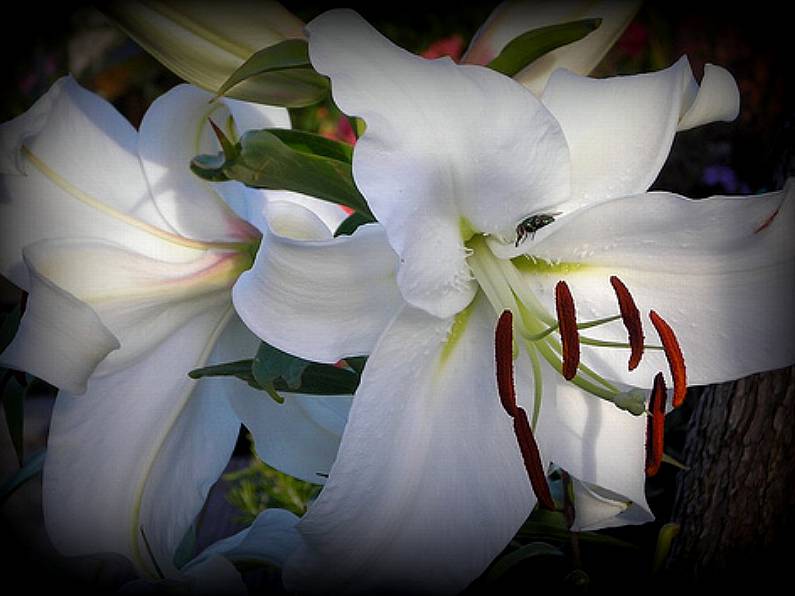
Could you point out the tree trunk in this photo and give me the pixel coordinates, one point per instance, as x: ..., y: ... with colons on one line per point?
x: 736, y: 503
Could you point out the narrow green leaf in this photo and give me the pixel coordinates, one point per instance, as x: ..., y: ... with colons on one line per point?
x: 528, y: 551
x: 13, y: 393
x: 352, y: 223
x: 264, y: 160
x: 271, y: 364
x: 530, y: 46
x: 287, y: 57
x: 240, y: 369
x: 32, y: 467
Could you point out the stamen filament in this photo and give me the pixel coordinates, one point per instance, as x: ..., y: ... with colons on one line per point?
x: 601, y: 343
x: 567, y: 323
x: 655, y: 426
x: 673, y: 353
x: 631, y: 317
x: 538, y: 383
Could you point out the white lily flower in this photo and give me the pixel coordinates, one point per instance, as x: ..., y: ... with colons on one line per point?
x: 429, y: 484
x: 130, y: 260
x: 512, y: 18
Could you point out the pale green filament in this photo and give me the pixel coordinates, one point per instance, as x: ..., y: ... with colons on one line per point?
x: 505, y: 288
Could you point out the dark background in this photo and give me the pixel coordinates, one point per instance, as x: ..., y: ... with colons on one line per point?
x: 41, y: 42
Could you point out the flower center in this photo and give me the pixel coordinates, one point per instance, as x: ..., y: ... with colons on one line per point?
x: 557, y: 338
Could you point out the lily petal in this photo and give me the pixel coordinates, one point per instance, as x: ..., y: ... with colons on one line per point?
x: 511, y: 19
x: 271, y: 538
x: 620, y: 136
x: 424, y: 183
x: 60, y: 338
x: 718, y: 270
x: 429, y: 483
x: 97, y: 192
x: 320, y: 300
x: 595, y: 442
x: 123, y: 438
x: 140, y: 300
x: 175, y: 129
x: 597, y: 508
x: 299, y: 437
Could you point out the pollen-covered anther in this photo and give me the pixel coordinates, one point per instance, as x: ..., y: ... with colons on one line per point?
x: 673, y: 353
x: 532, y: 459
x: 567, y: 326
x: 630, y: 315
x: 655, y: 426
x: 503, y: 355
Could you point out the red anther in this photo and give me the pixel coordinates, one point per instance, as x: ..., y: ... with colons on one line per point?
x: 503, y: 355
x: 567, y: 325
x: 655, y: 426
x: 532, y: 459
x: 631, y: 318
x: 673, y: 353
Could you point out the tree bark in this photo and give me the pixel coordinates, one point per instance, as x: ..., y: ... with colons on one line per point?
x: 736, y: 502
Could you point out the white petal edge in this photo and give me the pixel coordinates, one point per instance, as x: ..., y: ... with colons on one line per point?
x: 620, y: 137
x: 60, y: 338
x: 717, y: 99
x: 511, y: 19
x: 271, y: 538
x: 320, y: 300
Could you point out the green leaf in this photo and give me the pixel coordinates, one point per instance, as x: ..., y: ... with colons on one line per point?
x: 310, y: 166
x: 530, y: 46
x: 14, y: 406
x: 528, y: 551
x: 303, y: 376
x: 324, y: 379
x: 313, y: 144
x: 289, y: 58
x: 271, y: 364
x: 351, y: 223
x: 32, y: 467
x: 240, y: 369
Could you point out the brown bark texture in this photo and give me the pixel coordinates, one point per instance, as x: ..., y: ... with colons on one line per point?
x: 736, y: 502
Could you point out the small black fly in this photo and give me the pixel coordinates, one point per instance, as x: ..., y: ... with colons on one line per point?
x: 532, y: 224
